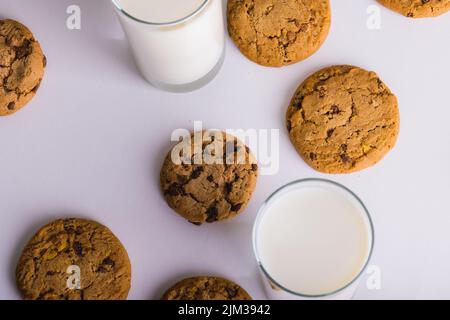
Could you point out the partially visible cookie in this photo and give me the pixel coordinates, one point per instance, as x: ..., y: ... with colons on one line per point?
x: 206, y: 288
x: 343, y: 119
x: 22, y: 66
x: 276, y: 33
x: 209, y: 176
x: 418, y: 8
x: 48, y: 267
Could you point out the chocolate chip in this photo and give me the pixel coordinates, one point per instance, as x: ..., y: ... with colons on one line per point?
x: 11, y: 106
x: 344, y: 147
x: 210, y: 178
x: 24, y: 50
x: 50, y: 273
x: 345, y: 158
x: 254, y: 167
x: 236, y: 207
x: 108, y: 262
x: 101, y: 269
x: 181, y: 179
x: 78, y: 248
x: 44, y: 61
x: 334, y: 109
x: 330, y: 133
x: 196, y: 223
x: 175, y: 190
x: 228, y: 187
x: 232, y: 293
x: 197, y: 172
x: 212, y: 214
x: 289, y: 125
x: 299, y: 103
x: 313, y: 156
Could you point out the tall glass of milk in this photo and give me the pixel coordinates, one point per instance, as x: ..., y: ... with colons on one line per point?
x: 178, y: 45
x: 312, y: 239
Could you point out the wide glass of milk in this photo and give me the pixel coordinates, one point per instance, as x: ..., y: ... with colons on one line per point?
x: 178, y: 45
x: 312, y: 239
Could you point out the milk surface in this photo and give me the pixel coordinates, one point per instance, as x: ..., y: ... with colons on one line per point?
x: 314, y: 240
x: 160, y: 11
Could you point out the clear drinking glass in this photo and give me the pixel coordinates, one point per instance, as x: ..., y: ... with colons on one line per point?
x: 181, y: 55
x: 277, y: 291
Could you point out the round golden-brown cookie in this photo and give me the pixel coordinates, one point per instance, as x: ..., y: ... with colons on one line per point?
x: 209, y: 176
x: 276, y: 33
x: 418, y: 8
x: 343, y: 119
x: 22, y: 66
x: 48, y: 267
x: 206, y: 288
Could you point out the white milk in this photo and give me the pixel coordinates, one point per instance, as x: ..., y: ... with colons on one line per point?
x: 160, y: 11
x: 174, y: 54
x: 313, y: 238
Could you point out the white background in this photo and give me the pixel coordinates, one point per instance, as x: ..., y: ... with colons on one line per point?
x: 92, y: 141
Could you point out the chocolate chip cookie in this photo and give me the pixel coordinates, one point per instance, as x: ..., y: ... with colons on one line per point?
x: 418, y: 8
x: 276, y: 33
x: 206, y: 288
x: 209, y: 176
x: 22, y: 66
x: 74, y: 259
x: 343, y: 119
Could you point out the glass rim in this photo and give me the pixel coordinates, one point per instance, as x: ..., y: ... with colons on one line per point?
x: 262, y: 210
x: 161, y: 24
